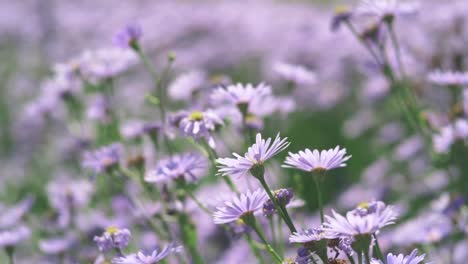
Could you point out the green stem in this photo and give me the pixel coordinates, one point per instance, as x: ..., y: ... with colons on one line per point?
x: 396, y: 46
x: 378, y: 251
x: 270, y: 249
x: 281, y: 236
x: 284, y: 214
x: 10, y: 251
x: 254, y: 248
x: 206, y: 210
x: 364, y: 42
x: 319, y: 196
x: 189, y: 237
x: 360, y: 257
x: 273, y: 231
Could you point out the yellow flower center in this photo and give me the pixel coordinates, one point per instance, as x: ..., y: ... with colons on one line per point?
x: 196, y: 116
x: 341, y: 9
x: 112, y: 230
x: 363, y: 205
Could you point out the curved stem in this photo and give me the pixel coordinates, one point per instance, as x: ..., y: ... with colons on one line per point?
x: 319, y: 196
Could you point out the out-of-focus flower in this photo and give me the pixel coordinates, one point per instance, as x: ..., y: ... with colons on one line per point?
x: 132, y: 129
x: 240, y: 95
x: 13, y: 236
x: 401, y: 259
x: 248, y: 203
x: 426, y: 228
x: 448, y: 78
x: 366, y: 219
x: 325, y: 160
x: 385, y: 8
x: 199, y: 125
x: 308, y: 235
x: 256, y: 155
x: 187, y: 166
x: 11, y: 216
x: 449, y: 134
x: 129, y: 36
x: 105, y: 63
x: 57, y: 245
x: 342, y: 14
x: 152, y: 257
x: 185, y: 85
x: 64, y: 193
x: 102, y: 159
x: 113, y: 238
x: 295, y: 73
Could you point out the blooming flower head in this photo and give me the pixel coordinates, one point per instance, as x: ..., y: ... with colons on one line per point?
x: 13, y: 236
x: 256, y: 155
x: 308, y: 235
x: 199, y: 124
x: 185, y: 85
x: 325, y: 160
x: 448, y: 78
x: 188, y: 166
x: 240, y: 95
x: 402, y: 259
x: 295, y: 73
x: 112, y: 238
x: 128, y: 36
x: 247, y: 203
x: 152, y: 257
x: 368, y: 218
x: 102, y: 159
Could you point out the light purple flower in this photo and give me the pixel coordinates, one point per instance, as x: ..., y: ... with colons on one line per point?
x: 449, y: 134
x: 239, y: 94
x: 325, y: 160
x: 11, y: 216
x: 57, y: 245
x: 188, y: 166
x: 448, y: 78
x: 295, y: 73
x: 128, y: 36
x: 102, y: 158
x: 366, y: 219
x: 246, y: 203
x: 257, y: 154
x: 112, y: 238
x: 13, y: 236
x: 401, y: 259
x: 199, y: 124
x: 308, y: 235
x: 185, y: 85
x: 382, y: 8
x: 151, y: 258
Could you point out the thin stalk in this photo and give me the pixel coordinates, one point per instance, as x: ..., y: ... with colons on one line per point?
x: 281, y: 236
x: 10, y: 251
x: 350, y: 258
x: 363, y: 41
x: 254, y: 248
x: 269, y: 248
x: 366, y: 254
x: 271, y: 223
x: 206, y: 210
x: 283, y: 214
x: 319, y: 196
x: 360, y: 258
x: 396, y: 46
x: 378, y: 251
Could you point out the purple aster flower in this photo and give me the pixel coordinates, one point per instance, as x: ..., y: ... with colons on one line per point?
x: 185, y: 85
x: 132, y: 129
x: 248, y: 203
x: 325, y: 160
x: 366, y: 219
x: 295, y: 73
x: 199, y: 124
x: 11, y: 216
x: 283, y: 198
x: 240, y: 95
x: 188, y: 166
x: 13, y: 236
x: 113, y: 238
x: 64, y: 193
x: 448, y: 78
x: 148, y: 258
x: 449, y: 134
x: 401, y: 259
x: 308, y: 235
x: 256, y: 155
x: 57, y: 245
x: 129, y: 36
x: 102, y: 159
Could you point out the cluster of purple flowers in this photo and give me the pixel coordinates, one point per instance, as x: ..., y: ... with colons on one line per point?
x: 174, y: 134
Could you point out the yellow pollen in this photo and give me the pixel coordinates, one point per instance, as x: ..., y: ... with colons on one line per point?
x: 341, y: 9
x: 196, y: 116
x: 363, y: 205
x: 112, y: 230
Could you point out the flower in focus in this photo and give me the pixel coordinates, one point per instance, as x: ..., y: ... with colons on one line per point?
x: 152, y: 257
x: 102, y: 159
x: 187, y: 166
x: 368, y: 218
x: 248, y: 203
x: 295, y: 73
x: 325, y: 160
x: 401, y: 259
x: 448, y: 78
x: 199, y: 124
x: 185, y: 85
x: 256, y: 155
x: 13, y: 236
x: 113, y: 238
x: 129, y: 36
